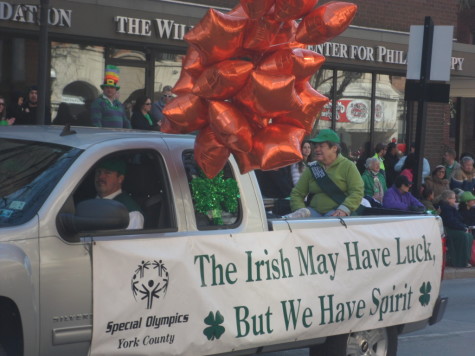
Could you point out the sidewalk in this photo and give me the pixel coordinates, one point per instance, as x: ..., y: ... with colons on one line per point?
x: 456, y: 273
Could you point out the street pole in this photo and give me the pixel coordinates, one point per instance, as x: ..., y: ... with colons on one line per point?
x: 422, y: 102
x: 43, y: 63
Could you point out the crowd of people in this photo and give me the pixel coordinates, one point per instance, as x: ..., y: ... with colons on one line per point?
x: 326, y: 183
x: 105, y: 111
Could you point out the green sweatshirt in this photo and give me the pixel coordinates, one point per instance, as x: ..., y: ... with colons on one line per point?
x: 344, y: 174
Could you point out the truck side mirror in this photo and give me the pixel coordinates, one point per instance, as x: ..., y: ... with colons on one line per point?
x: 94, y: 215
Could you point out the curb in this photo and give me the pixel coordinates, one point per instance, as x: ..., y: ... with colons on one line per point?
x: 456, y: 273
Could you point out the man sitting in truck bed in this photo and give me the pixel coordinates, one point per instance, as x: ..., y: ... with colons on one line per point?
x: 334, y: 181
x: 108, y: 181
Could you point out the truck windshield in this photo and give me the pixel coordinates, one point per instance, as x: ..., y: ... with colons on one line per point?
x: 28, y: 172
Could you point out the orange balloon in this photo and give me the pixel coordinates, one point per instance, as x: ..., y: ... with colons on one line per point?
x: 256, y: 8
x: 209, y: 153
x: 260, y: 34
x: 188, y: 112
x: 230, y: 126
x: 246, y: 161
x: 217, y: 36
x: 168, y: 127
x: 325, y: 22
x: 256, y: 121
x: 302, y: 63
x: 292, y: 9
x: 192, y: 62
x: 285, y: 38
x: 269, y: 95
x: 185, y: 83
x: 223, y: 80
x: 278, y: 145
x: 306, y: 116
x: 238, y: 11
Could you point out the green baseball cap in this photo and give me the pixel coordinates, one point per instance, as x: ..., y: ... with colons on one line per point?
x: 113, y: 164
x: 466, y: 196
x: 326, y: 135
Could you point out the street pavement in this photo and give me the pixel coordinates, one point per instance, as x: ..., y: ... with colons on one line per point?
x: 457, y: 273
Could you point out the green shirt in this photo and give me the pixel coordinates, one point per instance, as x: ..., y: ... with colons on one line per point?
x: 344, y: 174
x: 368, y: 180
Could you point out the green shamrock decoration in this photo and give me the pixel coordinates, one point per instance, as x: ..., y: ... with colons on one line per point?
x: 425, y: 293
x: 214, y: 330
x: 212, y: 196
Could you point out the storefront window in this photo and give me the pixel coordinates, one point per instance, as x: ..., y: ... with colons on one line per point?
x: 390, y: 110
x: 322, y: 82
x: 18, y: 65
x: 132, y: 85
x: 77, y: 73
x: 167, y: 71
x: 352, y: 96
x: 127, y: 54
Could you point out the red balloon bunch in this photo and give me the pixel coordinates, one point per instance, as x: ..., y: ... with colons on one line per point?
x: 244, y: 82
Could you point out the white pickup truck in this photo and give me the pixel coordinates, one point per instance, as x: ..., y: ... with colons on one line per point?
x: 228, y: 281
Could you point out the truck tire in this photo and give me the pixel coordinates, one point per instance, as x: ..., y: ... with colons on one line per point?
x: 2, y: 351
x: 376, y: 342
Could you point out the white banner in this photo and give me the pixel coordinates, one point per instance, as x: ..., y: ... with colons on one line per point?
x: 202, y: 295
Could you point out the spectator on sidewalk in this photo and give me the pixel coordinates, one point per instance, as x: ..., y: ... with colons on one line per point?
x: 467, y: 208
x: 425, y: 163
x: 374, y: 182
x: 29, y: 109
x: 464, y: 177
x: 390, y: 159
x: 4, y: 119
x: 399, y: 196
x: 437, y: 182
x: 459, y: 239
x: 107, y: 110
x: 141, y: 118
x: 157, y: 107
x: 450, y: 163
x: 380, y: 152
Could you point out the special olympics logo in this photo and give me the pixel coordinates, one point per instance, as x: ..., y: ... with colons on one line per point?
x: 150, y: 281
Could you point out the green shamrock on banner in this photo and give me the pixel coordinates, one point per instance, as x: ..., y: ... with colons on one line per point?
x: 425, y: 289
x: 214, y: 330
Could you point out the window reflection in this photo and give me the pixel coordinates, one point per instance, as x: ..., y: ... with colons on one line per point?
x: 353, y: 121
x: 352, y: 97
x: 127, y: 54
x: 167, y: 71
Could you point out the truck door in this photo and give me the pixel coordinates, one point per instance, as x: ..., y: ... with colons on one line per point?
x: 66, y: 271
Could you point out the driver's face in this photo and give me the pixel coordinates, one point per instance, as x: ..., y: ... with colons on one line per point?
x: 107, y: 182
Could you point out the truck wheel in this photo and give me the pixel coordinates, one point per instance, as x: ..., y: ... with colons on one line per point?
x: 377, y: 342
x: 2, y: 351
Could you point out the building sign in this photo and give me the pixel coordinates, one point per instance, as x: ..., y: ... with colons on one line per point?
x: 142, y: 27
x: 380, y: 54
x: 30, y: 14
